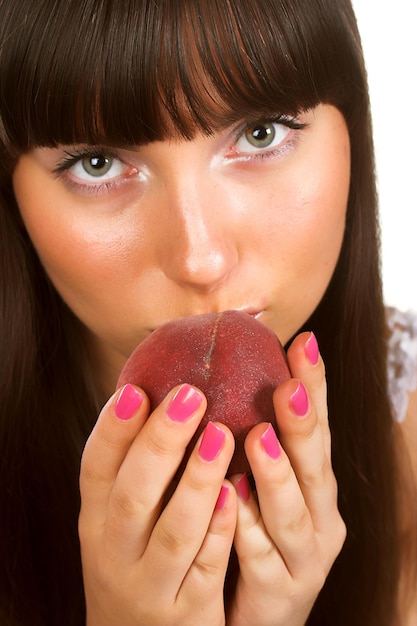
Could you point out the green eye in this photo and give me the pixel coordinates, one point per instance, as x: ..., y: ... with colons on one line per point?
x: 261, y: 135
x: 98, y: 165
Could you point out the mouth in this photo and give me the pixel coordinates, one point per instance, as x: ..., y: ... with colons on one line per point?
x: 255, y: 313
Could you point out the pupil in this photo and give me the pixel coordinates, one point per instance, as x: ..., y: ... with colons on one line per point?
x: 261, y: 133
x: 98, y: 162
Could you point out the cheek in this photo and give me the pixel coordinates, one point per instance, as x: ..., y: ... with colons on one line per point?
x: 86, y: 267
x: 306, y: 238
x: 68, y: 249
x: 81, y: 250
x: 322, y: 203
x: 321, y: 222
x: 306, y: 230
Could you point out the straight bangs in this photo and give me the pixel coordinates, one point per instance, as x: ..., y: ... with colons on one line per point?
x: 128, y: 72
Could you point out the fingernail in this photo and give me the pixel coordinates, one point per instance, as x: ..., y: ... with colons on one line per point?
x: 212, y: 442
x: 270, y: 443
x: 243, y: 488
x: 128, y: 402
x: 299, y: 401
x: 222, y: 499
x: 312, y: 349
x: 185, y: 402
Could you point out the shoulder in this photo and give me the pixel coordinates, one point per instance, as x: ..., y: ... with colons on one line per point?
x: 402, y: 359
x: 402, y: 374
x: 402, y: 379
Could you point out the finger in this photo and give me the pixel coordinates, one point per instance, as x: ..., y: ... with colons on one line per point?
x: 183, y: 525
x: 208, y: 572
x: 284, y: 575
x: 257, y: 553
x: 301, y: 435
x: 282, y: 506
x: 306, y: 364
x: 148, y: 470
x: 117, y: 426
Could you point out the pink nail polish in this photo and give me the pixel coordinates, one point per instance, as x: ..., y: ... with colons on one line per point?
x: 222, y: 499
x: 270, y: 443
x: 185, y: 402
x: 128, y: 402
x: 312, y: 349
x: 211, y: 443
x: 243, y: 488
x: 299, y: 401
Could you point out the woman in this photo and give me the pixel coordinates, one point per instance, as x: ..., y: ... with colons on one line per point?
x: 163, y: 159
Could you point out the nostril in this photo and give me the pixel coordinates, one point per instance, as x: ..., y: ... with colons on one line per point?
x: 201, y: 264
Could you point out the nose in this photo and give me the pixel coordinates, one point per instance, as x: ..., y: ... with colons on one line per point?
x: 200, y: 249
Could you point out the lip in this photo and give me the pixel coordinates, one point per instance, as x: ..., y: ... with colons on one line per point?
x: 255, y: 313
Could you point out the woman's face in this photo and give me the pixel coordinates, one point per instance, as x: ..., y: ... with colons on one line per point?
x: 250, y: 218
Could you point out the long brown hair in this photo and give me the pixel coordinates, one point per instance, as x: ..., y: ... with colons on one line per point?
x: 127, y: 73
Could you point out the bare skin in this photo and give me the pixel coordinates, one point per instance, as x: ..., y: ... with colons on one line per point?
x: 175, y: 229
x: 176, y: 560
x: 189, y: 227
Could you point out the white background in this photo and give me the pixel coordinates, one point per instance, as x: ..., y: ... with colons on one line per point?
x: 389, y: 39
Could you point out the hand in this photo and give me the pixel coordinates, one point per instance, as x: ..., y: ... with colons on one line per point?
x: 288, y: 538
x: 146, y: 561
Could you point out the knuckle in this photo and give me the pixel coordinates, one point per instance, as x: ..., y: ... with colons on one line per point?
x: 252, y: 523
x: 310, y: 429
x: 322, y: 474
x: 172, y: 541
x: 300, y: 526
x: 84, y: 532
x: 106, y: 439
x: 206, y: 569
x: 321, y: 374
x: 340, y: 533
x: 283, y: 476
x: 195, y: 479
x: 317, y: 383
x: 90, y: 476
x: 332, y: 544
x: 125, y: 503
x: 157, y: 445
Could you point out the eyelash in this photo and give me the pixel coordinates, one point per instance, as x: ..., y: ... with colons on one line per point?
x: 290, y: 122
x: 72, y: 157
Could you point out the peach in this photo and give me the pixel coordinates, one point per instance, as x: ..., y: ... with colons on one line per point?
x: 233, y: 358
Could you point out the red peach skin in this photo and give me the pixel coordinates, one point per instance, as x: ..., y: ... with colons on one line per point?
x: 234, y: 359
